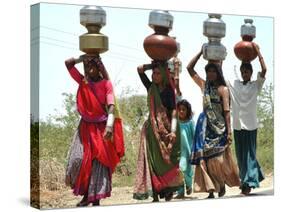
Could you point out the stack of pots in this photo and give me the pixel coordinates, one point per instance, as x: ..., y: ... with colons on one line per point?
x: 93, y: 42
x: 244, y: 50
x: 160, y: 46
x: 214, y: 29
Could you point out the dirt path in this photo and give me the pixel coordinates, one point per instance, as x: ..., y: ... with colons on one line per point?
x: 123, y: 195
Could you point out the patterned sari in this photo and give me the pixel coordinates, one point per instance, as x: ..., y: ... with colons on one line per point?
x: 157, y: 166
x: 210, y: 152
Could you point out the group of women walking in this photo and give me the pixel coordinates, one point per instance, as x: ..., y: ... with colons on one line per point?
x: 176, y: 156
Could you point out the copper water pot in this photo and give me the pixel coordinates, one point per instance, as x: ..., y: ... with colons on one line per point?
x: 245, y: 51
x: 160, y: 47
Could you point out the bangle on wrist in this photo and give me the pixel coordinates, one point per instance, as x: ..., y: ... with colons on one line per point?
x: 109, y: 129
x: 174, y: 125
x: 110, y: 120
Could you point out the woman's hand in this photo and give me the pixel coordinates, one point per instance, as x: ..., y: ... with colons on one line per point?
x: 140, y: 69
x: 172, y: 137
x: 170, y: 147
x: 229, y: 138
x: 69, y: 63
x: 80, y: 58
x: 108, y: 134
x: 256, y: 47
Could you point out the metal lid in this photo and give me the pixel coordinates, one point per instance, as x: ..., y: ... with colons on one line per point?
x: 160, y: 18
x: 214, y: 15
x: 92, y: 15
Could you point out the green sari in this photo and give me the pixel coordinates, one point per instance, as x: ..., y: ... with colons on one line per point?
x: 158, y: 160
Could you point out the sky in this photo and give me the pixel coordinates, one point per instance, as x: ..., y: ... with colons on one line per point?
x: 56, y: 30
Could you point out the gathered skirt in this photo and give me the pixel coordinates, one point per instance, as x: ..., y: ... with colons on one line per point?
x: 100, y: 178
x: 212, y: 174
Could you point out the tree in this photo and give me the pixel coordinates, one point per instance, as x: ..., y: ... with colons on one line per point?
x: 133, y: 109
x: 57, y: 131
x: 265, y: 111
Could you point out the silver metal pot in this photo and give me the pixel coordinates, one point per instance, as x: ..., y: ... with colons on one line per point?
x: 178, y: 47
x: 93, y: 42
x: 214, y: 26
x: 248, y: 28
x: 92, y: 15
x: 160, y: 18
x: 214, y: 51
x: 172, y: 67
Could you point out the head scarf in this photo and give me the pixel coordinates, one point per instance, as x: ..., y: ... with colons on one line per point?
x: 90, y: 61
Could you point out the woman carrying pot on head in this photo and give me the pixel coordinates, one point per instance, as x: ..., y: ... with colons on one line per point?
x: 158, y: 172
x: 98, y: 145
x: 211, y: 153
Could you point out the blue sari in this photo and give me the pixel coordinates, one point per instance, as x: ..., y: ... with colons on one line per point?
x: 210, y: 133
x: 212, y: 156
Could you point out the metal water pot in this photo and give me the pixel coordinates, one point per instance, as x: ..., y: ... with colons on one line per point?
x: 214, y: 51
x: 92, y: 15
x: 214, y: 26
x: 172, y: 67
x: 93, y: 42
x: 248, y: 30
x: 178, y: 47
x: 159, y: 18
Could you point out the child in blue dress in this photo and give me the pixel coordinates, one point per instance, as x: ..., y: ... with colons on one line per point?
x: 187, y: 133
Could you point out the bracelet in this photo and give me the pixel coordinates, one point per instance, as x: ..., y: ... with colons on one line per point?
x: 174, y: 125
x: 110, y: 120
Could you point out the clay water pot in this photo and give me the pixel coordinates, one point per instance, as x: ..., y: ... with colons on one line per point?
x: 160, y: 47
x: 245, y: 51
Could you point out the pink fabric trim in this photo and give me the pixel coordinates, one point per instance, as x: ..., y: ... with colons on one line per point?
x: 109, y: 93
x: 99, y: 196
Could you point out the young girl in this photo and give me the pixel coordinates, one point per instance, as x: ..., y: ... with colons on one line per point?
x: 187, y: 133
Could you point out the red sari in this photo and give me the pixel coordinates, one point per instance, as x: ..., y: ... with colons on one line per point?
x: 91, y: 129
